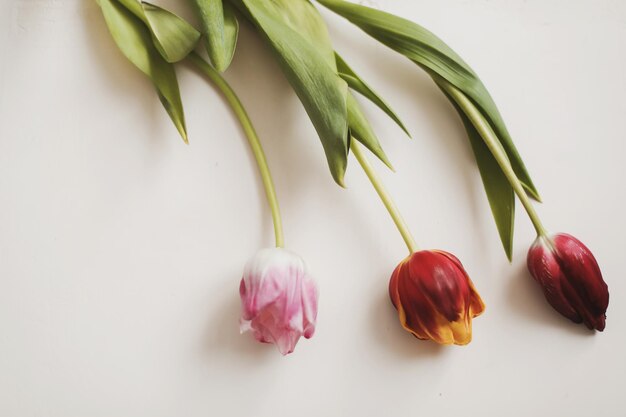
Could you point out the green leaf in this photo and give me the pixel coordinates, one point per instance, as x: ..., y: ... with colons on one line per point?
x: 362, y: 131
x: 134, y: 6
x: 231, y: 33
x: 289, y: 27
x: 499, y: 192
x: 302, y: 17
x: 357, y: 84
x: 220, y: 28
x: 134, y: 40
x: 444, y: 65
x: 173, y: 37
x: 432, y: 54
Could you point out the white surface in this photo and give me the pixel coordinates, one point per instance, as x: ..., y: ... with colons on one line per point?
x: 121, y: 249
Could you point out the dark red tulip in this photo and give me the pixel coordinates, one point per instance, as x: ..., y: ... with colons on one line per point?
x: 435, y: 297
x: 570, y: 278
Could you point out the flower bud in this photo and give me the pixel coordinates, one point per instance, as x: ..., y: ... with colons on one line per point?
x: 435, y: 297
x: 278, y: 299
x: 570, y: 279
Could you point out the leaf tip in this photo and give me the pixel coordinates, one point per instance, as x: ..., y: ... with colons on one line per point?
x: 340, y: 182
x: 185, y: 138
x: 533, y: 193
x: 387, y: 162
x: 338, y: 176
x: 217, y: 58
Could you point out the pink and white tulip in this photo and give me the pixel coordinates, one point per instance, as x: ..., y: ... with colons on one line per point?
x: 278, y: 299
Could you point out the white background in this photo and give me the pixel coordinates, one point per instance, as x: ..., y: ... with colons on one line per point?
x: 121, y: 248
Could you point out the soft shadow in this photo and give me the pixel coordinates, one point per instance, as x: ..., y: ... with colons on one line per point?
x: 127, y: 82
x: 449, y: 136
x: 273, y: 108
x: 222, y: 337
x: 276, y: 112
x: 410, y: 84
x: 394, y: 338
x: 526, y: 298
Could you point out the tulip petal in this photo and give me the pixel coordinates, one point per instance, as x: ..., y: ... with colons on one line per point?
x: 588, y: 291
x: 571, y: 279
x: 579, y: 264
x: 393, y: 283
x: 309, y: 306
x: 477, y: 306
x: 544, y: 267
x: 435, y: 298
x: 445, y: 287
x: 278, y: 299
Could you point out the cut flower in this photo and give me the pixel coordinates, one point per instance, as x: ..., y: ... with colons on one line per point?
x: 278, y: 299
x: 435, y: 298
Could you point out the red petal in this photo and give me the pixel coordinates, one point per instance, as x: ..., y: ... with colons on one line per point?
x: 545, y: 269
x: 583, y: 283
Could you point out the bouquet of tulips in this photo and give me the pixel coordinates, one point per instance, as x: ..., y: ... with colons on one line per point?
x: 430, y: 289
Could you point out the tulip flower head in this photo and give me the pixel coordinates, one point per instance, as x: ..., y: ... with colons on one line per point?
x: 435, y: 297
x: 570, y: 279
x: 278, y: 299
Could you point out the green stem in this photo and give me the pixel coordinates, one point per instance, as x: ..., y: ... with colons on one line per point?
x: 489, y: 137
x: 251, y: 135
x: 391, y: 207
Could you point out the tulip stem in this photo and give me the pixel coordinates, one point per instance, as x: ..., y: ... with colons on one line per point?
x: 391, y: 207
x: 495, y: 147
x: 251, y: 135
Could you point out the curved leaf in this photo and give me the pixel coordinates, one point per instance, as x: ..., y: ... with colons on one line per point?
x: 357, y: 84
x: 173, y: 36
x: 134, y: 40
x: 432, y: 54
x: 302, y: 17
x: 362, y: 131
x: 500, y: 194
x: 220, y: 28
x: 322, y: 92
x: 231, y: 33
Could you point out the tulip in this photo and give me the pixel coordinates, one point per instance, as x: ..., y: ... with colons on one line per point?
x: 278, y: 299
x: 278, y: 296
x: 435, y: 297
x: 570, y: 279
x: 566, y: 270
